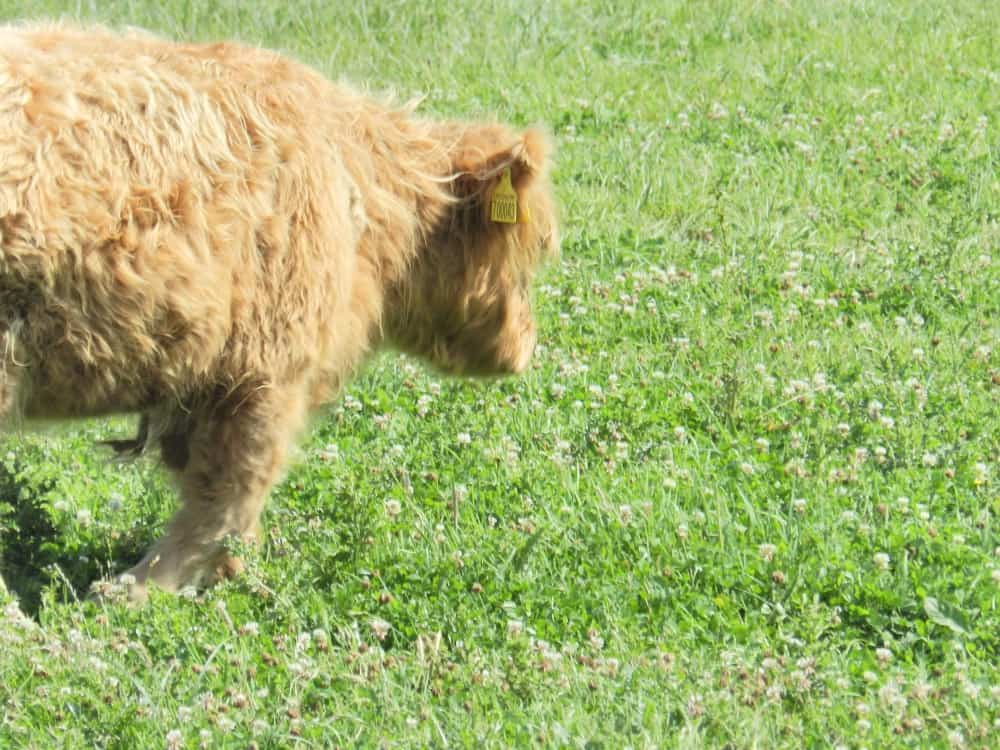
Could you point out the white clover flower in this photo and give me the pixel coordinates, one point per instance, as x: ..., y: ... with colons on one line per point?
x: 890, y: 696
x: 380, y: 628
x: 424, y: 405
x: 766, y: 552
x: 393, y: 508
x: 321, y: 639
x: 302, y: 641
x: 464, y: 438
x: 717, y: 112
x: 881, y: 560
x: 972, y: 690
x: 921, y: 691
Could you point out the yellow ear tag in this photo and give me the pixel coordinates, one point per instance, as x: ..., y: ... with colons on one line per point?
x: 503, y: 206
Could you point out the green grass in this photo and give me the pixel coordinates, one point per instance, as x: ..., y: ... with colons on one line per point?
x: 748, y: 497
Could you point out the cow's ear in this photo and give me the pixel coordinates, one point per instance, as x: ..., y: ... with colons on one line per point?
x: 484, y: 152
x: 495, y: 171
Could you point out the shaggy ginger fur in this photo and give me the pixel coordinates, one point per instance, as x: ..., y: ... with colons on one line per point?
x: 216, y: 236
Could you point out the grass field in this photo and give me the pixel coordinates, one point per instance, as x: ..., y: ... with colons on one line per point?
x: 748, y: 496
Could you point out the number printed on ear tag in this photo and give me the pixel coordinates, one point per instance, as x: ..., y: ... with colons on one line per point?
x: 503, y: 207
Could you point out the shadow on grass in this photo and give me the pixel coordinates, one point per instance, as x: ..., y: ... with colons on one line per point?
x: 32, y: 555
